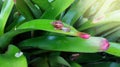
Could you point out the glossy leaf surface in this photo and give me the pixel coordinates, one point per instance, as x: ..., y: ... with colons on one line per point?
x: 4, y: 14
x: 40, y: 24
x: 46, y: 25
x: 68, y: 44
x: 9, y: 59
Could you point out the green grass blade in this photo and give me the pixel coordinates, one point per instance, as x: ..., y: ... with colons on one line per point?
x: 5, y: 12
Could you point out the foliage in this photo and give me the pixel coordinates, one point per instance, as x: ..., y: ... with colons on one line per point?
x: 59, y: 33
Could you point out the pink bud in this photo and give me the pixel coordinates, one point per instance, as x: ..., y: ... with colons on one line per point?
x: 105, y: 45
x: 83, y: 35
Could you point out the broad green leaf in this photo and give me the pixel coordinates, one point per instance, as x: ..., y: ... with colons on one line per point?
x: 114, y: 49
x: 43, y: 4
x: 77, y: 9
x: 5, y: 12
x: 103, y: 19
x: 20, y: 4
x: 57, y: 7
x: 67, y: 44
x: 46, y: 25
x: 10, y: 58
x: 103, y: 64
x: 36, y: 12
x: 40, y: 24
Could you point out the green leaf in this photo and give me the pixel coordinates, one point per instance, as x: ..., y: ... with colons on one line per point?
x: 46, y: 25
x: 104, y: 28
x: 95, y: 7
x: 5, y: 12
x: 114, y: 49
x: 10, y: 59
x: 36, y: 12
x: 67, y: 44
x: 43, y: 4
x: 104, y: 8
x: 57, y: 7
x: 18, y: 20
x: 40, y: 24
x: 115, y: 35
x: 77, y: 9
x: 20, y: 4
x: 103, y: 19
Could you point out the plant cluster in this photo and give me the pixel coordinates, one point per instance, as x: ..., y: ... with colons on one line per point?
x: 59, y: 33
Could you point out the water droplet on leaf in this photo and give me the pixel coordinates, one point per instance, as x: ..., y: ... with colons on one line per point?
x: 18, y: 54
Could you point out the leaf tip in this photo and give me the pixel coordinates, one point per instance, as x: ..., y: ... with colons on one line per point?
x: 105, y: 45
